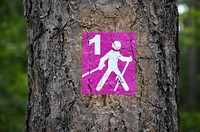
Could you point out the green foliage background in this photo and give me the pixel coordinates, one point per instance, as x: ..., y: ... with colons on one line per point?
x: 13, y: 67
x: 189, y: 38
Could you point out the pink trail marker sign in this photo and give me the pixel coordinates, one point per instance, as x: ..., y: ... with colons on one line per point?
x: 109, y: 63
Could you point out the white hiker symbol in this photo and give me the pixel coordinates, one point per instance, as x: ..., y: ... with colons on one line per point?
x: 108, y: 66
x: 113, y: 56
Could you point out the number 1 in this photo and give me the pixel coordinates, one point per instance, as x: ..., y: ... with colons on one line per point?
x: 97, y: 46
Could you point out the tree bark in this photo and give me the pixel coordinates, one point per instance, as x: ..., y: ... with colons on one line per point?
x: 55, y: 102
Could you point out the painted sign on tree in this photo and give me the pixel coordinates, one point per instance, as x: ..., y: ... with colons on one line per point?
x: 108, y: 63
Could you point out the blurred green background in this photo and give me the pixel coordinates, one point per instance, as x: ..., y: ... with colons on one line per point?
x: 13, y: 65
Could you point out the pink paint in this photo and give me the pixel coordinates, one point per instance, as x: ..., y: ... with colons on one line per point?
x: 117, y: 52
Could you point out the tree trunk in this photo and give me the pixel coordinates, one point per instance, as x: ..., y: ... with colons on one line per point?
x: 55, y: 102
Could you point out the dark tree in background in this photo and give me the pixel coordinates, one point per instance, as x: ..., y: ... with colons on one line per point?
x: 55, y: 102
x: 192, y: 67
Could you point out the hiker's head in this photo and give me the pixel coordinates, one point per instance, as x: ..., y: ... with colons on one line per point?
x: 116, y: 45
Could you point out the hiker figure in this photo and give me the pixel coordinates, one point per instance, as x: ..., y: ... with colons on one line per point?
x: 113, y: 56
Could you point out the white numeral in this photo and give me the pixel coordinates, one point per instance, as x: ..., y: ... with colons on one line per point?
x: 97, y: 46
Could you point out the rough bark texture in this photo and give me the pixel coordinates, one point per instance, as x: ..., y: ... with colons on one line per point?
x: 55, y: 102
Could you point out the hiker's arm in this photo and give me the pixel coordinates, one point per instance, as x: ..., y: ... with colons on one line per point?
x: 122, y: 58
x: 102, y: 61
